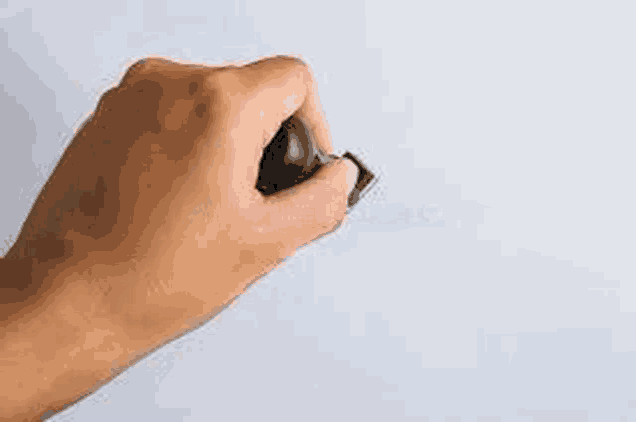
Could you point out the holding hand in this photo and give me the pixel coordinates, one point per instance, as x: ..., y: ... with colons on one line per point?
x: 151, y: 222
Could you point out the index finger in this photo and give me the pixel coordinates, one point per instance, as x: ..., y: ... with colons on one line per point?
x: 281, y: 86
x: 313, y: 116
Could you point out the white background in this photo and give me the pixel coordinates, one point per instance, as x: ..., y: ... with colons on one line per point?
x: 509, y: 125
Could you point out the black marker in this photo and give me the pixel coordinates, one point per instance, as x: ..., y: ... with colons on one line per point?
x: 292, y: 157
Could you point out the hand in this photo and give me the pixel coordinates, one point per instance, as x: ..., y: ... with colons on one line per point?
x: 151, y: 222
x: 160, y: 186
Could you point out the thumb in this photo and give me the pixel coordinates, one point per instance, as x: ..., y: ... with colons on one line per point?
x: 315, y: 207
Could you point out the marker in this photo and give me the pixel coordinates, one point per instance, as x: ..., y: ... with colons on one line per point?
x: 292, y: 157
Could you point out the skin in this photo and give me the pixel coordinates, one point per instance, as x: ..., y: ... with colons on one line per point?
x: 151, y: 224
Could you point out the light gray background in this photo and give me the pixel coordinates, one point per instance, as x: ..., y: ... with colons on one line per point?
x: 492, y: 279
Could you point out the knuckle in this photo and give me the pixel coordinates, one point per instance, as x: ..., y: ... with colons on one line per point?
x: 140, y: 69
x: 105, y: 103
x: 303, y: 68
x: 253, y: 73
x: 295, y: 65
x: 223, y: 86
x: 293, y: 62
x: 134, y: 70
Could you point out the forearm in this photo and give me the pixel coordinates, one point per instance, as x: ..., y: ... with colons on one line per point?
x: 77, y: 338
x: 56, y: 354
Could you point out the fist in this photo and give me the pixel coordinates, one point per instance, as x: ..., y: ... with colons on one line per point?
x: 154, y: 206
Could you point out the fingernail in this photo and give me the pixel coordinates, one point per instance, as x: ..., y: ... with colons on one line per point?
x: 352, y: 174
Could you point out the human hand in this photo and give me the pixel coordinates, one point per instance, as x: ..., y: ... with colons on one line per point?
x: 151, y: 222
x: 154, y: 203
